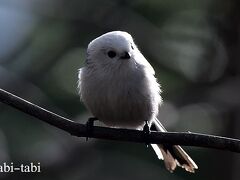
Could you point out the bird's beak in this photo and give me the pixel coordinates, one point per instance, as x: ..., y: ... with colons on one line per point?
x: 125, y: 55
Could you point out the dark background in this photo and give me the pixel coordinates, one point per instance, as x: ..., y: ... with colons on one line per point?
x: 192, y: 45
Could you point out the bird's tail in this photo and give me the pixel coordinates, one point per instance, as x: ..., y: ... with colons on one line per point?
x: 173, y: 155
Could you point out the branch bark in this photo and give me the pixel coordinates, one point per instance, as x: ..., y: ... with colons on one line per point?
x: 80, y: 130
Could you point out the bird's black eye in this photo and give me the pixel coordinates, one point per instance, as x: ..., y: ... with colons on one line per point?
x: 111, y: 54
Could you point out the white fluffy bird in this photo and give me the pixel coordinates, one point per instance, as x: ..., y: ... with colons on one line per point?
x: 117, y: 84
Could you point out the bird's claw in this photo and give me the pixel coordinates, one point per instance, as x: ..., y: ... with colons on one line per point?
x: 146, y: 132
x: 89, y: 126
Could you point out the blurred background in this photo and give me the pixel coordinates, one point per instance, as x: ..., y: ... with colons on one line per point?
x: 194, y: 47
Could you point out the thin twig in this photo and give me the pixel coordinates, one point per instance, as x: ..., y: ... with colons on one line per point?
x: 80, y: 130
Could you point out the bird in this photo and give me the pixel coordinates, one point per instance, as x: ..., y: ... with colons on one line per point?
x: 118, y: 86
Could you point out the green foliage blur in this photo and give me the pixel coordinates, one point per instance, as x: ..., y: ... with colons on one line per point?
x: 193, y: 46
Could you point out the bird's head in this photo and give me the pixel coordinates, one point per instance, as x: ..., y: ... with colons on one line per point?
x: 111, y: 48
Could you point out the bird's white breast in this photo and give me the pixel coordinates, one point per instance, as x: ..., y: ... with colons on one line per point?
x: 120, y: 97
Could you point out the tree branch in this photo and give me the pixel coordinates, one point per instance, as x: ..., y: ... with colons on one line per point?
x: 80, y: 130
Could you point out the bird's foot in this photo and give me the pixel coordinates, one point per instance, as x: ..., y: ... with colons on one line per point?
x: 146, y: 132
x: 89, y: 126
